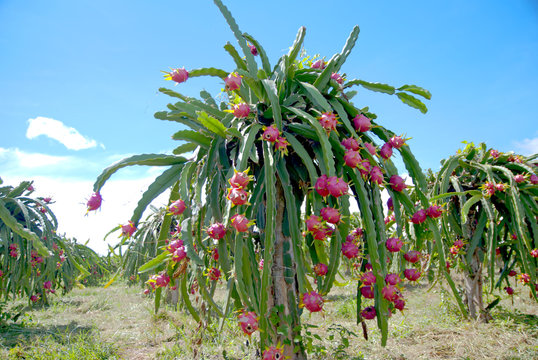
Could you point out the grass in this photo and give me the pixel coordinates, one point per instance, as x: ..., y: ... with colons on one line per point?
x: 118, y: 323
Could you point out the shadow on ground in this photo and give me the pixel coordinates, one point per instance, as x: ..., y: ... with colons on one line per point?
x: 14, y: 334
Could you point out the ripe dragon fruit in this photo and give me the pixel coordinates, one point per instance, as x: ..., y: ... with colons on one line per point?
x: 174, y: 245
x: 47, y: 285
x: 489, y: 189
x: 179, y: 254
x: 390, y: 292
x: 509, y: 290
x: 94, y: 202
x: 399, y: 304
x: 394, y: 244
x: 392, y: 279
x: 313, y: 222
x: 397, y: 183
x: 216, y: 231
x: 376, y: 175
x: 337, y: 186
x: 371, y: 148
x: 273, y: 353
x: 362, y: 123
x: 331, y: 215
x: 328, y: 121
x: 368, y: 278
x: 321, y: 186
x: 494, y: 153
x: 364, y: 168
x: 248, y: 321
x: 434, y: 211
x: 519, y: 178
x: 270, y: 133
x: 232, y: 82
x: 318, y: 64
x: 412, y: 256
x: 352, y: 158
x: 390, y: 204
x: 367, y: 291
x: 238, y: 196
x: 241, y: 111
x: 312, y: 301
x: 162, y: 280
x: 281, y: 144
x: 241, y: 223
x: 512, y: 273
x: 534, y: 253
x: 177, y: 75
x: 321, y: 269
x: 397, y: 141
x: 524, y: 278
x: 1, y: 273
x: 322, y: 233
x: 338, y: 78
x: 419, y: 217
x: 35, y: 298
x: 368, y: 313
x: 253, y: 50
x: 213, y: 274
x: 177, y: 207
x: 534, y: 179
x: 215, y: 254
x: 350, y: 250
x: 350, y: 144
x: 128, y: 229
x: 240, y: 179
x: 412, y: 274
x: 386, y: 151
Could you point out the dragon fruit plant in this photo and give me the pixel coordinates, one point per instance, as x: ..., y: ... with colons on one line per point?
x: 490, y: 221
x: 288, y: 139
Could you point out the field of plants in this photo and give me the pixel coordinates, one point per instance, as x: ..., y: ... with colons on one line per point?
x: 289, y: 233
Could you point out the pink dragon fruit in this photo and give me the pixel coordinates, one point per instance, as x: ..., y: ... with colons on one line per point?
x: 534, y: 179
x: 494, y: 153
x: 281, y: 144
x: 368, y: 313
x: 174, y: 245
x: 47, y: 285
x: 357, y: 232
x: 312, y: 301
x: 489, y: 189
x: 179, y: 254
x: 512, y: 273
x: 434, y: 211
x: 177, y: 75
x: 321, y: 269
x: 128, y: 229
x: 94, y: 202
x: 318, y: 64
x: 364, y: 168
x: 337, y: 186
x: 216, y: 231
x: 458, y: 243
x: 253, y: 50
x: 519, y: 178
x: 238, y: 196
x: 241, y: 111
x: 419, y: 217
x: 213, y: 274
x: 352, y: 158
x: 399, y: 304
x: 215, y: 254
x: 371, y: 148
x: 177, y: 207
x: 367, y: 291
x: 248, y: 321
x: 240, y: 179
x: 232, y: 82
x: 350, y: 144
x: 412, y: 256
x: 524, y: 278
x: 270, y: 133
x: 394, y: 244
x: 501, y: 186
x: 338, y: 78
x: 362, y: 123
x: 397, y: 142
x: 321, y: 186
x: 162, y: 280
x: 47, y: 200
x: 386, y: 151
x: 273, y: 353
x: 376, y: 175
x: 35, y: 298
x: 390, y: 292
x: 534, y: 253
x: 368, y: 278
x: 412, y: 274
x: 397, y: 183
x: 30, y: 188
x: 241, y: 223
x: 350, y: 249
x: 392, y: 279
x: 331, y: 215
x: 322, y: 233
x: 509, y: 290
x: 313, y: 222
x: 390, y: 204
x: 328, y: 121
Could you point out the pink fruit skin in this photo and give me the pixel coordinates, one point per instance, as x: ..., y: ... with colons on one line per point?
x: 232, y: 82
x: 412, y: 256
x: 368, y: 313
x: 94, y: 202
x: 368, y: 278
x: 162, y: 280
x: 350, y: 250
x: 338, y: 78
x: 412, y: 274
x: 534, y: 179
x: 328, y: 121
x: 390, y: 292
x: 392, y: 279
x: 322, y: 233
x: 270, y: 134
x: 248, y: 322
x: 376, y: 175
x: 241, y: 111
x: 394, y: 244
x: 179, y: 254
x: 519, y: 178
x: 397, y: 142
x: 179, y: 75
x: 312, y: 301
x: 273, y: 353
x: 367, y: 291
x: 253, y: 50
x: 313, y: 222
x: 362, y: 123
x: 352, y: 158
x: 337, y: 186
x: 318, y: 64
x: 177, y: 207
x: 419, y: 217
x: 241, y: 223
x: 240, y: 179
x: 399, y: 304
x: 331, y: 215
x: 386, y: 151
x: 397, y: 183
x: 321, y: 269
x: 371, y: 148
x: 237, y: 196
x: 128, y: 229
x: 321, y: 186
x: 174, y: 245
x: 214, y: 274
x: 215, y: 254
x: 509, y: 290
x: 434, y: 211
x: 216, y: 231
x: 534, y: 253
x: 351, y: 144
x: 390, y: 204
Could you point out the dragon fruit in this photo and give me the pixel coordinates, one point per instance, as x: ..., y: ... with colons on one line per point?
x: 338, y: 78
x: 337, y: 186
x: 397, y: 183
x: 390, y: 292
x: 534, y: 253
x: 392, y: 279
x: 350, y: 249
x: 312, y: 301
x: 412, y: 256
x: 179, y: 254
x: 270, y: 133
x: 322, y: 233
x: 434, y: 211
x: 367, y: 291
x: 390, y: 204
x: 331, y: 215
x: 94, y: 202
x: 489, y: 189
x: 241, y: 223
x: 412, y: 274
x: 394, y: 244
x: 253, y: 50
x: 321, y: 269
x: 494, y: 153
x: 328, y: 121
x: 232, y: 82
x: 368, y: 278
x: 386, y: 151
x: 47, y: 285
x: 281, y: 144
x: 240, y: 179
x: 368, y: 313
x: 273, y: 353
x: 162, y: 280
x: 419, y: 217
x: 524, y: 278
x: 459, y: 243
x: 215, y: 254
x: 47, y: 200
x: 318, y: 64
x: 128, y: 229
x: 371, y: 148
x: 216, y: 231
x: 512, y: 273
x: 352, y: 158
x: 241, y: 111
x: 376, y: 175
x: 399, y: 304
x: 362, y: 123
x: 397, y: 142
x: 177, y: 75
x: 313, y: 222
x: 213, y: 274
x: 350, y: 144
x: 174, y: 245
x: 534, y: 179
x: 519, y: 178
x: 364, y: 168
x: 35, y: 298
x: 509, y: 290
x: 238, y: 196
x: 321, y: 186
x: 248, y: 321
x: 177, y: 207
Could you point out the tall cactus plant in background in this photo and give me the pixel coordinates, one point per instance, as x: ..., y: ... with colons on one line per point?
x: 264, y: 201
x: 491, y: 219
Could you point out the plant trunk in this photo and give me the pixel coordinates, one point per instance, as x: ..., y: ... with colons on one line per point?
x: 284, y: 294
x: 473, y: 290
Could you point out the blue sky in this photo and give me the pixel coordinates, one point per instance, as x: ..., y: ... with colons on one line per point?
x: 95, y: 67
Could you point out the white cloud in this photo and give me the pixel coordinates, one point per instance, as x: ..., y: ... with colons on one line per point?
x: 17, y: 158
x: 58, y: 131
x: 527, y: 146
